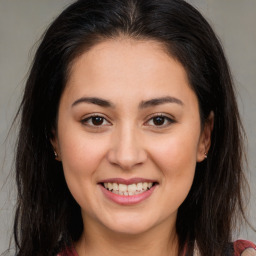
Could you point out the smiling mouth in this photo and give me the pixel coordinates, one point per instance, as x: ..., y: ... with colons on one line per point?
x: 128, y: 190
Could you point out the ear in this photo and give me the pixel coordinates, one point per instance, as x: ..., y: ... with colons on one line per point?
x: 55, y: 145
x: 205, y: 138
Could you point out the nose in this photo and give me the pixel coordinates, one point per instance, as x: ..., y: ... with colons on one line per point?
x: 127, y: 149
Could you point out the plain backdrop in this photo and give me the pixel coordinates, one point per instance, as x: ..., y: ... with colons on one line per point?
x: 23, y: 21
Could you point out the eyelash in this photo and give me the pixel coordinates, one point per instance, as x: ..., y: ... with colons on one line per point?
x: 167, y: 121
x: 88, y: 121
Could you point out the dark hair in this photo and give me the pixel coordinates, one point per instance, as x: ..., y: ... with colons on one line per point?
x: 47, y: 217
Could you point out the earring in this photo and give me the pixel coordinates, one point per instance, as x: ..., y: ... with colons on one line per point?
x: 205, y: 155
x: 55, y: 154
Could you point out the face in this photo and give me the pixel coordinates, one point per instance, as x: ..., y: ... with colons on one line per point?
x: 129, y: 136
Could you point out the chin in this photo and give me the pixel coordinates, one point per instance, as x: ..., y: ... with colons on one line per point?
x: 131, y: 225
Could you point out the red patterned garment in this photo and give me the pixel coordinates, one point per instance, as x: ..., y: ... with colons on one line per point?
x: 240, y: 246
x: 69, y: 252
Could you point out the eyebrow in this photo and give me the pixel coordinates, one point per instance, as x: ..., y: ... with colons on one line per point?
x: 93, y: 100
x: 159, y: 101
x: 144, y: 104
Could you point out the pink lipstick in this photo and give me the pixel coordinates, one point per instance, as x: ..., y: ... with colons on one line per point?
x: 127, y: 192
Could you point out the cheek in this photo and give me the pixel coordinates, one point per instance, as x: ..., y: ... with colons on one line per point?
x: 177, y: 164
x: 81, y: 155
x: 176, y: 158
x: 176, y: 154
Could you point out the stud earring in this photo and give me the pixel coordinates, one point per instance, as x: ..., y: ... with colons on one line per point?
x: 55, y: 154
x: 205, y: 155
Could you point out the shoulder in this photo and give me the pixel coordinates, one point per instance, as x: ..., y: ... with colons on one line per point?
x: 244, y: 248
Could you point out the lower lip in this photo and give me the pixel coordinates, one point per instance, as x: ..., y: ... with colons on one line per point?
x: 128, y: 200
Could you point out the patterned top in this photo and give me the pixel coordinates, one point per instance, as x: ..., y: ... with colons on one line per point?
x: 241, y: 248
x: 244, y: 248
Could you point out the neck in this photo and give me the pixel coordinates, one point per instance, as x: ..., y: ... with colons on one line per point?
x: 98, y: 240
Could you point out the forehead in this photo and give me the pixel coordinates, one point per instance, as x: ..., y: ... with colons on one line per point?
x: 123, y: 67
x: 130, y: 52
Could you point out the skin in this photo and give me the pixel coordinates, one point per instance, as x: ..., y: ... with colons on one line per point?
x: 129, y: 144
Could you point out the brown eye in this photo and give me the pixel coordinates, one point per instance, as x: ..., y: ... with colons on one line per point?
x: 97, y: 120
x: 158, y: 120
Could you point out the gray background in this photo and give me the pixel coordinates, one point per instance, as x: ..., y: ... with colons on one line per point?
x: 23, y: 21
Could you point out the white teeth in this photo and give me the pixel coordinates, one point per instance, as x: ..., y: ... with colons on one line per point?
x: 145, y: 185
x: 132, y: 188
x: 123, y: 187
x: 110, y: 186
x: 128, y: 190
x: 115, y: 186
x: 139, y: 186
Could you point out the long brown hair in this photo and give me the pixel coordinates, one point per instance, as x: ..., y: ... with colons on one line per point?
x: 47, y: 217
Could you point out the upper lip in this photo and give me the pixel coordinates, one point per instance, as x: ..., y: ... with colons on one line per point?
x: 127, y: 181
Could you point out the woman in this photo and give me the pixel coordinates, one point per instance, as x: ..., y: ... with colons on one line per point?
x: 130, y: 140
